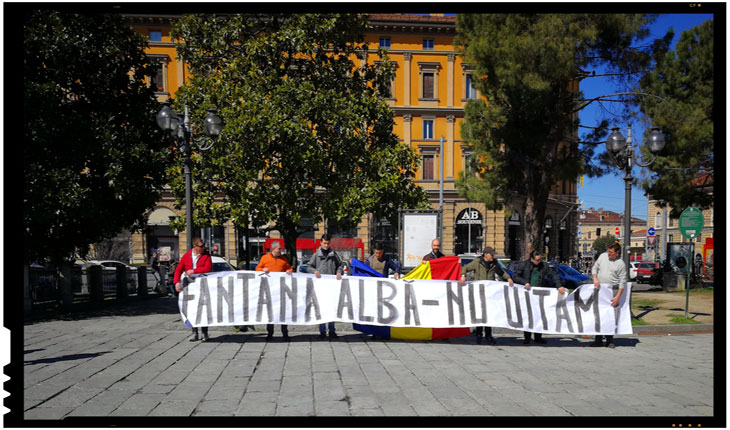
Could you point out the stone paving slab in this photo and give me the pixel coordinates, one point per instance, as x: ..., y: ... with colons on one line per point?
x: 114, y: 365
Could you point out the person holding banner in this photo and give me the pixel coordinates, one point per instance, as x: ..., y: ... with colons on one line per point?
x: 609, y: 269
x: 533, y: 272
x: 275, y: 262
x: 485, y: 268
x: 196, y: 260
x: 435, y: 251
x: 380, y: 263
x: 328, y: 262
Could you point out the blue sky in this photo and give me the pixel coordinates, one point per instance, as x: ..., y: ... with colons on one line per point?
x: 607, y: 192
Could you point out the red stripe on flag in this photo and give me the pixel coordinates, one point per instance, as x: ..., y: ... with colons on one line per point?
x: 446, y: 268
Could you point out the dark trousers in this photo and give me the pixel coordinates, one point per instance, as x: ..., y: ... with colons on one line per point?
x: 528, y: 335
x: 609, y: 338
x: 486, y: 330
x: 204, y: 330
x: 284, y: 329
x: 325, y: 326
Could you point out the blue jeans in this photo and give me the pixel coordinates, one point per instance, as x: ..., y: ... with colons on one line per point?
x: 330, y: 325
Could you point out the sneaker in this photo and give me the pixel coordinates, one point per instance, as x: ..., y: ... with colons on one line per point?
x: 610, y: 345
x: 596, y: 344
x: 541, y: 341
x: 333, y: 335
x: 194, y: 337
x: 205, y: 337
x: 490, y: 339
x: 322, y: 336
x: 526, y: 341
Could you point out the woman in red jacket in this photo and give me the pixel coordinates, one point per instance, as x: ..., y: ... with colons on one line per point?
x: 196, y: 260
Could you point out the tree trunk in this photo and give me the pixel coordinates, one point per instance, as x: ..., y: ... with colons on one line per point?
x: 534, y: 209
x: 290, y: 233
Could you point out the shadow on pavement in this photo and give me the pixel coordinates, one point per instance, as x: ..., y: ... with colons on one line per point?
x: 505, y: 341
x: 64, y: 358
x: 130, y: 307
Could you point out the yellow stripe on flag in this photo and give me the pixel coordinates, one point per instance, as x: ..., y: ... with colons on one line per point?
x: 410, y: 333
x: 422, y: 271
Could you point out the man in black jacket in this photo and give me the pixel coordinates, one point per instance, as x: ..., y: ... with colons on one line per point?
x: 532, y: 273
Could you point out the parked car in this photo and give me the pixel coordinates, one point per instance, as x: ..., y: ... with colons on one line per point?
x: 649, y: 273
x: 112, y: 265
x: 633, y: 266
x: 108, y: 264
x: 219, y: 264
x: 302, y: 264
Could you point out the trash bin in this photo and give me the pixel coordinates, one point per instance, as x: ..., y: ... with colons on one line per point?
x: 682, y: 281
x: 674, y: 281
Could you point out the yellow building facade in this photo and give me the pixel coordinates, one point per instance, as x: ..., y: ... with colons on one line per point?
x: 432, y: 85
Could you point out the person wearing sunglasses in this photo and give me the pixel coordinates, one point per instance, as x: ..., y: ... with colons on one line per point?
x: 196, y: 260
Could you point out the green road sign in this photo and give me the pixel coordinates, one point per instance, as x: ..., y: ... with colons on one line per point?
x: 691, y: 223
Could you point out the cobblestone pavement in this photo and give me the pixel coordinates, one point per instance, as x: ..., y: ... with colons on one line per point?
x: 136, y: 360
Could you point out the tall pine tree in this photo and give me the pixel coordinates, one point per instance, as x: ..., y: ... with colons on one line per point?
x: 525, y: 136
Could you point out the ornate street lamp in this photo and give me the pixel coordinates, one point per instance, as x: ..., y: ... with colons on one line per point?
x: 181, y: 132
x: 622, y: 151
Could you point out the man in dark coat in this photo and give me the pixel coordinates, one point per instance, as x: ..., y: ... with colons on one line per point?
x: 435, y: 251
x: 532, y: 273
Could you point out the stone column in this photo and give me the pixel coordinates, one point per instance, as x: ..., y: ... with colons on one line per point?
x: 450, y: 81
x: 407, y: 129
x: 407, y: 79
x: 449, y: 160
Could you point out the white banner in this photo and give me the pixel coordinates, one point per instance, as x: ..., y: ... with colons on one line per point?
x: 247, y: 297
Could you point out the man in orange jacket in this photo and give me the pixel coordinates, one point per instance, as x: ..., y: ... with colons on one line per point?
x: 275, y: 262
x: 196, y: 260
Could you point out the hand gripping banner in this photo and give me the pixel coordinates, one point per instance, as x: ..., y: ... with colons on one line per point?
x: 247, y: 297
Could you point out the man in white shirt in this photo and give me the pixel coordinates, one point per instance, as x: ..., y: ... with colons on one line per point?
x: 609, y: 269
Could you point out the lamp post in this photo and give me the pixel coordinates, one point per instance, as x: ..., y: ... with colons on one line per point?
x: 622, y: 151
x: 182, y: 133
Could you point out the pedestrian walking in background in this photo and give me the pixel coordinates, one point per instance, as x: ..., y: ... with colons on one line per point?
x: 485, y: 268
x: 609, y: 269
x: 275, y: 262
x: 326, y: 261
x: 154, y: 264
x: 380, y: 263
x: 196, y: 260
x: 435, y: 251
x: 532, y: 273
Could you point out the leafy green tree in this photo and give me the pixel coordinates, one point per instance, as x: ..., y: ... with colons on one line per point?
x: 683, y: 78
x: 93, y: 158
x: 529, y: 66
x: 307, y: 133
x: 601, y: 244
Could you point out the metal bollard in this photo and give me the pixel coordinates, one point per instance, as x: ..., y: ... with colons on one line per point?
x: 142, y: 281
x: 67, y: 294
x: 122, y: 289
x: 95, y: 276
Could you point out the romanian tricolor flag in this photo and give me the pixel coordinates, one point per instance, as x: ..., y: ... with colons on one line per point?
x: 446, y: 268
